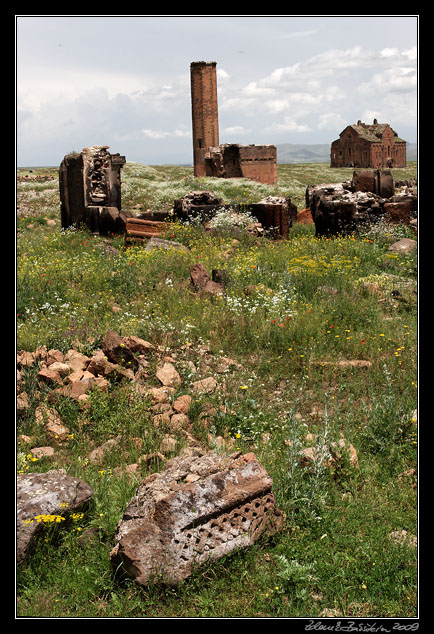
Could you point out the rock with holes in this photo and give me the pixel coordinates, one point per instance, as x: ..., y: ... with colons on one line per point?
x: 200, y: 508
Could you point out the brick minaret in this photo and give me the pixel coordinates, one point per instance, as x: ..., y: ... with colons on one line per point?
x: 204, y: 109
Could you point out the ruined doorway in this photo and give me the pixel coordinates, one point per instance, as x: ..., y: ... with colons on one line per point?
x: 231, y: 161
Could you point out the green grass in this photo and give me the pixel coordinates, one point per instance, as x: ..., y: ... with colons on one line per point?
x: 310, y: 308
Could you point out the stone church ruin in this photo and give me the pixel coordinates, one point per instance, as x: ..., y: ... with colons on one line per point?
x: 230, y: 160
x: 365, y: 145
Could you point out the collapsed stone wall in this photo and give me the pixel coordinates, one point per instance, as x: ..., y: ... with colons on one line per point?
x: 273, y: 212
x: 230, y: 160
x: 367, y: 198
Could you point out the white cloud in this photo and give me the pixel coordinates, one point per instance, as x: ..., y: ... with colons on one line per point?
x: 164, y: 134
x: 236, y: 129
x: 391, y: 80
x: 222, y: 74
x: 253, y: 90
x: 331, y: 121
x: 411, y: 53
x: 389, y: 52
x: 288, y: 125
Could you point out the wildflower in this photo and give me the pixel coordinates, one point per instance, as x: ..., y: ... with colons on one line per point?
x: 244, y: 387
x: 363, y: 586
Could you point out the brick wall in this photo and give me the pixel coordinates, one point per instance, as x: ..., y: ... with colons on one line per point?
x: 259, y: 162
x: 204, y: 107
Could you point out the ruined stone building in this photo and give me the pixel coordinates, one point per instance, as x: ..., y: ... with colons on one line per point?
x: 230, y: 160
x: 373, y: 145
x: 90, y: 189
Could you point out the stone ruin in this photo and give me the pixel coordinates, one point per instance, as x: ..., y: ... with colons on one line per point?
x: 90, y: 190
x: 272, y: 213
x: 342, y: 208
x: 232, y: 160
x: 200, y: 508
x: 90, y: 193
x: 227, y: 160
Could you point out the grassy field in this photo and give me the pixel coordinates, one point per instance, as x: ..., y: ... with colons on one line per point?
x: 312, y: 303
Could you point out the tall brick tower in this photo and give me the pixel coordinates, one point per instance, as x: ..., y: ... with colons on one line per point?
x: 204, y: 108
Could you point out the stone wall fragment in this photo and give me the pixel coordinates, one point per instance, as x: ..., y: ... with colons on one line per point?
x: 200, y: 508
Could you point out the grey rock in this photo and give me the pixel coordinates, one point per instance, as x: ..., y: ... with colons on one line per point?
x: 50, y: 493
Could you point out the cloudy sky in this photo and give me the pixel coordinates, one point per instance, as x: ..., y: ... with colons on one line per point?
x: 124, y: 81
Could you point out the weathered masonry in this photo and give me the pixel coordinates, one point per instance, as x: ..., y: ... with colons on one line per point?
x: 373, y: 145
x: 90, y: 190
x: 229, y: 160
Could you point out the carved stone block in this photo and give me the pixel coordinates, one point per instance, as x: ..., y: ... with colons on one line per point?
x: 200, y: 508
x: 90, y: 189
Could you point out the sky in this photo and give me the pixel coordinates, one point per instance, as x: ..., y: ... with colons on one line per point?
x: 124, y: 81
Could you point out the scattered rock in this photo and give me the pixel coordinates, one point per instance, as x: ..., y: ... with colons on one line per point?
x: 51, y: 421
x: 330, y: 613
x: 54, y: 356
x: 346, y: 363
x: 98, y: 454
x: 159, y: 243
x: 200, y: 281
x: 49, y: 376
x: 25, y: 359
x: 406, y: 245
x: 116, y: 351
x: 42, y: 452
x: 62, y: 368
x: 161, y: 419
x: 23, y: 402
x: 160, y: 394
x: 179, y: 421
x: 205, y: 386
x: 138, y: 345
x: 403, y: 538
x: 168, y: 445
x: 168, y: 375
x: 76, y: 360
x: 182, y: 404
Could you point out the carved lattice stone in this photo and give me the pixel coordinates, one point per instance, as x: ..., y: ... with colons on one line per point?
x: 199, y: 508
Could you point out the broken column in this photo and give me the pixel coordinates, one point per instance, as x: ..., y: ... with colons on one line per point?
x: 200, y: 508
x: 90, y: 190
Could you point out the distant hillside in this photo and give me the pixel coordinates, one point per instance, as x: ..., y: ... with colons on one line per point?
x: 297, y: 153
x: 320, y: 153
